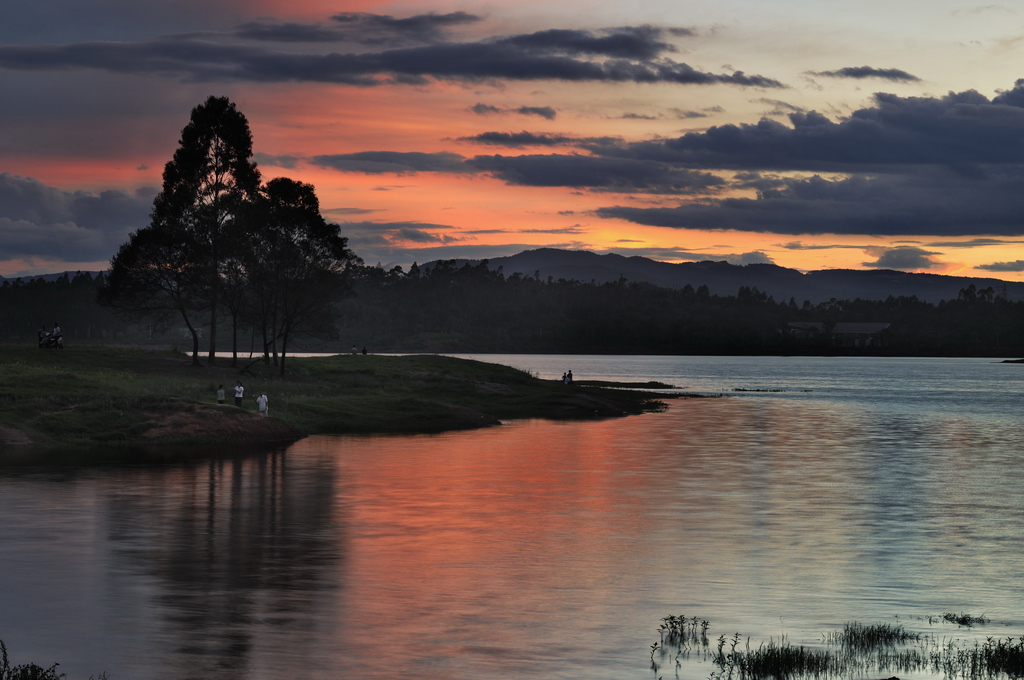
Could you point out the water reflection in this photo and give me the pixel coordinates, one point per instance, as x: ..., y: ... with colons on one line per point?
x: 231, y: 549
x: 534, y: 550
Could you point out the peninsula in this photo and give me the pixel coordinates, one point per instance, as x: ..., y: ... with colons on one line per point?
x: 117, y: 395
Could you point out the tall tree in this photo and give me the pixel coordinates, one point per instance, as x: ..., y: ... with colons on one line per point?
x: 207, y: 185
x: 154, y: 274
x: 298, y: 264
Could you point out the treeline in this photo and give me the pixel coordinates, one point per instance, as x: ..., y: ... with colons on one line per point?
x: 469, y: 308
x: 452, y: 308
x: 26, y: 304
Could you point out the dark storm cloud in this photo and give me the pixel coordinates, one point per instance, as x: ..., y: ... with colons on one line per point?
x: 947, y: 165
x: 619, y: 55
x: 861, y: 72
x: 922, y: 204
x: 607, y: 174
x: 38, y: 220
x: 958, y: 129
x: 555, y: 170
x: 904, y: 257
x: 637, y: 42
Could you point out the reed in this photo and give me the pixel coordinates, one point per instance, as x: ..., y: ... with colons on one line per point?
x: 859, y: 636
x: 858, y: 650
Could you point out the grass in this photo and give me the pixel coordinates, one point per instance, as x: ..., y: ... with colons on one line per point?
x: 98, y: 394
x: 858, y: 650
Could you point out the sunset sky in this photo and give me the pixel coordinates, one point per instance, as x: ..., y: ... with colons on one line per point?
x: 811, y: 134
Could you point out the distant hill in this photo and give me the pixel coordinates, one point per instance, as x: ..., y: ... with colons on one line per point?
x: 723, y: 278
x: 47, y: 277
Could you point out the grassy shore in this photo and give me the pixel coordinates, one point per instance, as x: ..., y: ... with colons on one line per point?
x: 88, y: 395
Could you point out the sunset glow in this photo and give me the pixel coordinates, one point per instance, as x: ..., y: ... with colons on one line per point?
x: 812, y: 135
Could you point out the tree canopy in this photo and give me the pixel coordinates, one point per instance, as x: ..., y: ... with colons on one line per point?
x: 218, y: 240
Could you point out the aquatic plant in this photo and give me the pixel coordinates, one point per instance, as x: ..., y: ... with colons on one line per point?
x: 858, y: 650
x: 678, y: 630
x: 962, y: 619
x: 679, y: 634
x: 859, y: 636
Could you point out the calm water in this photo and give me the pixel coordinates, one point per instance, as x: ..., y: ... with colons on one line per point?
x: 826, y: 491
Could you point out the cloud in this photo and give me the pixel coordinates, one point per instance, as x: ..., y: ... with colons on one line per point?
x: 1015, y: 266
x: 421, y: 28
x: 403, y: 163
x: 274, y: 31
x: 420, y: 236
x: 554, y: 170
x: 861, y: 72
x: 947, y: 166
x: 38, y: 221
x: 608, y: 174
x: 629, y: 54
x: 670, y: 254
x: 961, y: 129
x: 542, y: 111
x: 921, y: 204
x: 485, y: 109
x: 797, y: 245
x: 276, y: 161
x: 522, y: 139
x: 903, y: 258
x: 975, y: 243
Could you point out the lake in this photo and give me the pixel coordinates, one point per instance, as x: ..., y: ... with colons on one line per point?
x: 806, y: 494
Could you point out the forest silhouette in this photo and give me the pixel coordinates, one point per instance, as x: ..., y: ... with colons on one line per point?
x: 470, y: 308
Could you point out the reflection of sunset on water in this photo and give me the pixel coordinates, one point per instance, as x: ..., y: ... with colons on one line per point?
x: 536, y: 549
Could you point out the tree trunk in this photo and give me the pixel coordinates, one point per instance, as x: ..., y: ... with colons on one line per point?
x: 234, y: 340
x: 195, y: 338
x: 284, y: 349
x: 213, y: 328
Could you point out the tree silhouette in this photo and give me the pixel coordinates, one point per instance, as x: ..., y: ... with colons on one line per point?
x: 155, y: 274
x: 295, y: 263
x: 207, y: 185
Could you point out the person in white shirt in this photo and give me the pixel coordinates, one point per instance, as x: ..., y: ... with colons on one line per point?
x: 261, y: 404
x: 239, y: 391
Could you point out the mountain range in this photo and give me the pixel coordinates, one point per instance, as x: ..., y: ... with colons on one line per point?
x: 723, y: 278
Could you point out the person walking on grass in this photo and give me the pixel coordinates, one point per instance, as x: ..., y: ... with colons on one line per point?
x: 220, y: 394
x: 239, y: 392
x: 261, y: 404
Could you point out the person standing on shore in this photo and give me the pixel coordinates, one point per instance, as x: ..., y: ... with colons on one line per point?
x: 261, y: 404
x: 220, y: 394
x: 239, y: 392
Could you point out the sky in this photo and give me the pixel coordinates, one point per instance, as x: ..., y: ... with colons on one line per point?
x: 812, y: 134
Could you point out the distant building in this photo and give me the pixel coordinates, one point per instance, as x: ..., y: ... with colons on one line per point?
x: 843, y: 334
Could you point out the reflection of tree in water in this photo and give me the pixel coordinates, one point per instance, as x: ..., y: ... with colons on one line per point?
x: 244, y: 552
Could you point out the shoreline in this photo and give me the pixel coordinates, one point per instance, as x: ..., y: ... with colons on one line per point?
x: 115, y: 395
